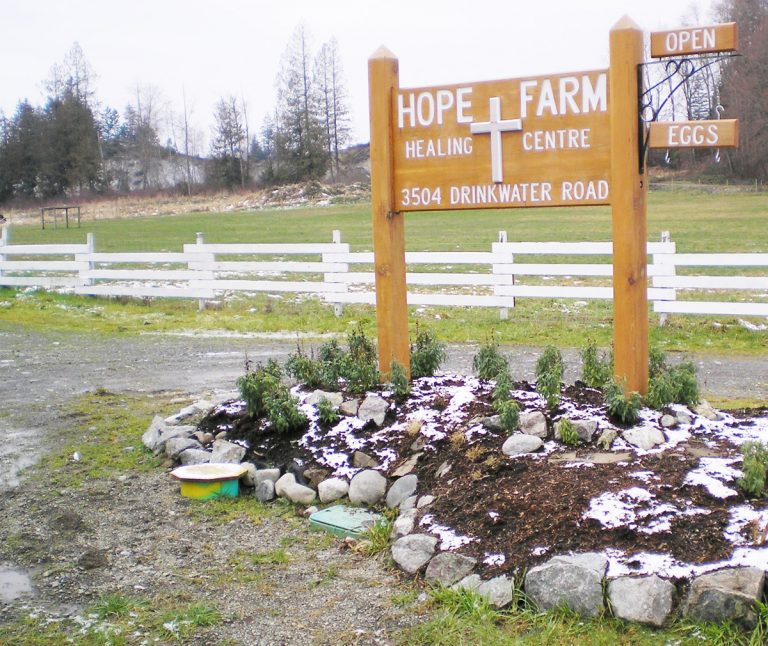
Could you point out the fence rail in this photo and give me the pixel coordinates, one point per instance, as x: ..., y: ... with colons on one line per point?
x: 339, y: 276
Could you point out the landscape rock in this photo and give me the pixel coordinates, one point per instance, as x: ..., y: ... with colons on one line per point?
x: 411, y: 553
x: 492, y: 423
x: 448, y: 567
x: 367, y: 487
x: 349, y: 407
x: 315, y: 475
x: 203, y: 437
x: 194, y: 456
x: 705, y: 410
x: 404, y: 524
x: 425, y: 501
x: 726, y: 595
x: 644, y: 437
x: 177, y: 445
x: 533, y: 423
x: 498, y: 592
x: 188, y: 411
x: 443, y: 469
x: 401, y: 489
x: 682, y: 417
x: 287, y: 487
x: 471, y: 583
x: 645, y: 599
x: 266, y: 474
x: 363, y: 461
x: 607, y: 437
x: 373, y: 408
x: 408, y: 503
x: 265, y: 491
x: 151, y: 436
x: 332, y: 489
x: 406, y: 467
x: 520, y: 443
x: 668, y: 421
x: 225, y: 452
x: 575, y: 581
x: 585, y: 429
x: 336, y: 399
x: 249, y: 477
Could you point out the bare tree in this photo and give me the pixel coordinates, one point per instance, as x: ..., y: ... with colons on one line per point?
x: 229, y: 147
x: 333, y: 96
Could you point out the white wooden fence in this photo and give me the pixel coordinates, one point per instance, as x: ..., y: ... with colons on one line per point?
x: 334, y: 273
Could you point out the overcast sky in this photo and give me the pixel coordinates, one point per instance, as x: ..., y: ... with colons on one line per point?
x: 211, y: 49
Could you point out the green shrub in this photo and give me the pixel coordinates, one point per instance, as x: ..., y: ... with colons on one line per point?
x: 568, y: 434
x: 686, y: 385
x: 754, y: 468
x: 398, y: 381
x: 657, y: 362
x: 509, y: 415
x: 596, y: 368
x: 305, y: 369
x: 427, y: 354
x: 489, y: 362
x: 661, y: 391
x: 501, y: 392
x: 671, y: 384
x: 265, y: 395
x: 327, y: 414
x: 359, y: 364
x: 622, y: 407
x: 549, y: 374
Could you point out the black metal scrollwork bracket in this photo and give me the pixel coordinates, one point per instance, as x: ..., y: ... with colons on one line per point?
x: 677, y: 71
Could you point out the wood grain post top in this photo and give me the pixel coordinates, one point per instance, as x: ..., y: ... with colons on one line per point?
x: 382, y: 53
x: 625, y: 23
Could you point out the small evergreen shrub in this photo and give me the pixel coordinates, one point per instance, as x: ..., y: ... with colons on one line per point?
x: 305, y: 369
x: 657, y: 362
x: 661, y: 391
x: 359, y: 364
x: 686, y: 385
x: 670, y: 384
x: 622, y: 407
x: 501, y: 392
x: 265, y: 395
x: 549, y: 374
x: 509, y: 415
x: 398, y: 381
x: 427, y: 354
x: 596, y: 367
x: 489, y: 362
x: 754, y: 468
x: 568, y: 434
x: 327, y: 414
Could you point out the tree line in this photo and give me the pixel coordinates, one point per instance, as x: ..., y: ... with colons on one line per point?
x: 71, y: 145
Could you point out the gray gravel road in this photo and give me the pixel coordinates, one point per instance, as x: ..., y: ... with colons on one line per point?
x: 38, y: 370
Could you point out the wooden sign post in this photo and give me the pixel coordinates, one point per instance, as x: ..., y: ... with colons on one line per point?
x: 553, y: 140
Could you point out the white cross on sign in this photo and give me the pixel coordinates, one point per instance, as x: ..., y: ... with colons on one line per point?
x: 494, y: 127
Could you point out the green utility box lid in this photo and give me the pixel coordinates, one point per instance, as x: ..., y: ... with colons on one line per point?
x: 344, y: 521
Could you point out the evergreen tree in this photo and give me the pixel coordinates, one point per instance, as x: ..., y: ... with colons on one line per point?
x: 229, y: 148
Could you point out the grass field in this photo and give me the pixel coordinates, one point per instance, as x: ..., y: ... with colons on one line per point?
x: 697, y: 222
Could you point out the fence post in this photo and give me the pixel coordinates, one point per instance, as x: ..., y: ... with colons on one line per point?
x: 199, y: 240
x: 338, y: 308
x: 504, y: 311
x: 665, y: 237
x: 90, y: 241
x: 5, y: 238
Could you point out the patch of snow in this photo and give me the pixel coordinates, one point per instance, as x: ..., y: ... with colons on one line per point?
x: 494, y: 559
x: 616, y: 509
x: 752, y: 327
x: 644, y: 476
x: 539, y: 551
x: 738, y: 520
x: 449, y: 539
x: 711, y: 474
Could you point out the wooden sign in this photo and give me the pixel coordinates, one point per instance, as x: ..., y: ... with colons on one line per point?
x: 695, y: 40
x: 718, y: 133
x: 540, y: 141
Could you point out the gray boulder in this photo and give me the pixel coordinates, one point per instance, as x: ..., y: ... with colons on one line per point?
x: 492, y: 423
x: 408, y: 503
x: 401, y: 489
x: 533, y: 423
x: 367, y: 487
x: 225, y: 452
x: 151, y: 436
x: 499, y: 591
x: 406, y: 467
x: 194, y: 456
x: 265, y: 491
x: 607, y: 438
x: 336, y: 399
x: 574, y: 581
x: 447, y: 568
x: 585, y: 429
x: 332, y: 489
x: 667, y: 421
x: 411, y: 553
x: 176, y: 445
x: 520, y: 443
x: 287, y: 487
x: 260, y: 475
x: 404, y: 524
x: 471, y: 583
x: 349, y: 407
x: 364, y: 461
x: 705, y: 410
x: 726, y: 595
x: 644, y: 437
x: 373, y: 408
x: 645, y: 599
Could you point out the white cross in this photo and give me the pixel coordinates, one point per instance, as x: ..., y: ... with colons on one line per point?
x: 494, y: 127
